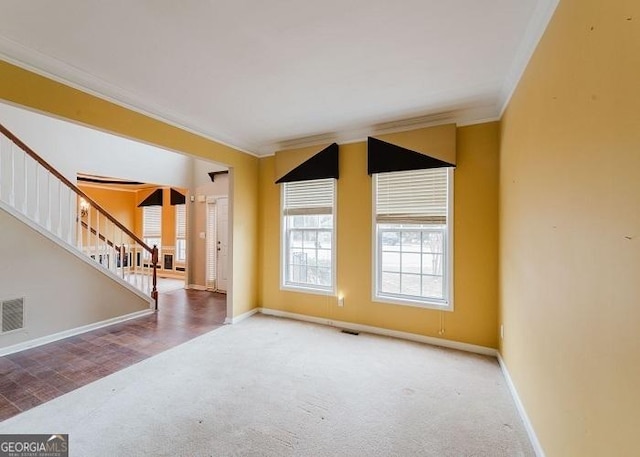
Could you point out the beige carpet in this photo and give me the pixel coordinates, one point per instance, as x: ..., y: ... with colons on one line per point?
x: 274, y: 387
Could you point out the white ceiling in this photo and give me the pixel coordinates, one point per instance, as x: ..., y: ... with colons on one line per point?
x: 262, y: 75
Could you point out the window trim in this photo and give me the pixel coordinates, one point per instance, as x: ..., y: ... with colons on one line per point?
x: 449, y: 250
x: 332, y: 291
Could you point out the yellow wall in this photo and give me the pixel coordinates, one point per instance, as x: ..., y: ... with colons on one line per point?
x: 570, y: 231
x: 476, y: 241
x: 29, y: 90
x: 120, y: 204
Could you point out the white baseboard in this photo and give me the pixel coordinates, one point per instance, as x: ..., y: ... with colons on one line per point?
x: 72, y: 332
x: 241, y: 317
x: 195, y: 287
x: 537, y: 447
x: 383, y: 331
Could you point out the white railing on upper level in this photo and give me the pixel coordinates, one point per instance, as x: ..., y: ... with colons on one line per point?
x: 31, y: 186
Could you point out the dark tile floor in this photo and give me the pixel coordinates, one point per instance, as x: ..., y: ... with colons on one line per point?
x: 37, y: 375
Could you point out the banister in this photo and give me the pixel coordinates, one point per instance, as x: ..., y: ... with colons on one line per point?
x: 72, y: 186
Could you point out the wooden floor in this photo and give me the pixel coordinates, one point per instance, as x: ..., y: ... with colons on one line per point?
x: 37, y: 375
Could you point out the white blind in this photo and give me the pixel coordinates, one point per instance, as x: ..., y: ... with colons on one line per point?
x: 309, y: 197
x: 181, y: 221
x: 416, y: 196
x: 211, y: 246
x: 152, y: 221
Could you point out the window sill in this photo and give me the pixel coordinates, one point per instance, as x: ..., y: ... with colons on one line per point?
x: 307, y: 290
x: 413, y: 303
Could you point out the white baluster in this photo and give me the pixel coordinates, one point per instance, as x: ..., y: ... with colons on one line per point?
x: 12, y: 195
x: 49, y: 202
x: 59, y: 231
x: 88, y: 230
x: 24, y: 199
x: 37, y: 213
x: 105, y: 246
x: 97, y: 238
x: 78, y: 226
x: 113, y: 247
x: 134, y: 267
x: 72, y: 200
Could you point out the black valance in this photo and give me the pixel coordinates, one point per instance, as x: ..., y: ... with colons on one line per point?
x: 322, y: 165
x: 384, y: 157
x: 177, y: 198
x: 154, y: 199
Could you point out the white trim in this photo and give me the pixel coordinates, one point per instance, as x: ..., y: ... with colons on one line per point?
x: 71, y: 249
x: 72, y: 332
x: 383, y: 331
x: 56, y: 70
x: 537, y: 447
x: 405, y: 128
x: 310, y: 288
x: 195, y: 287
x: 535, y: 30
x: 241, y: 317
x: 451, y: 240
x: 471, y: 115
x: 445, y: 305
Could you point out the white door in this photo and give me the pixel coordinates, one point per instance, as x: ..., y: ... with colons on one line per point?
x: 222, y: 244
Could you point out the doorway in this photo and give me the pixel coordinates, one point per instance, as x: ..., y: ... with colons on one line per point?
x: 217, y: 242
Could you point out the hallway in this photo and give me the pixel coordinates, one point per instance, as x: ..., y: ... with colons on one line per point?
x: 32, y: 377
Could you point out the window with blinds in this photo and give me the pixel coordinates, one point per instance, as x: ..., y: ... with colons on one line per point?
x: 181, y: 232
x: 414, y: 237
x: 152, y: 221
x: 308, y: 222
x: 152, y: 227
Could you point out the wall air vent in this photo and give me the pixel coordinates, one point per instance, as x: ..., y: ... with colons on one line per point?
x: 12, y: 314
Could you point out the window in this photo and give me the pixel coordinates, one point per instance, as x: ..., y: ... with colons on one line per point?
x: 414, y: 237
x: 308, y: 256
x: 181, y: 233
x: 151, y: 227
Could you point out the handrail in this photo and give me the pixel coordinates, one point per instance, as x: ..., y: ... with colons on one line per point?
x: 69, y: 184
x: 152, y: 250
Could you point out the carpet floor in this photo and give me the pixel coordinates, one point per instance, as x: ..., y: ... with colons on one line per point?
x: 275, y: 387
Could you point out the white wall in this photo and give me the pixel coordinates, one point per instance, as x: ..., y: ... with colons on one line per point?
x: 200, y: 170
x: 74, y: 149
x: 61, y: 291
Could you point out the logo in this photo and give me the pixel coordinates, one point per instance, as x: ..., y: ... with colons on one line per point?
x: 34, y: 445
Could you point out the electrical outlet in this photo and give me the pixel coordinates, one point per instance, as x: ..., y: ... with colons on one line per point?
x: 341, y: 301
x: 501, y: 331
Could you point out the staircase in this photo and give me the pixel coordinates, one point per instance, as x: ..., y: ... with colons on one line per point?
x: 32, y: 189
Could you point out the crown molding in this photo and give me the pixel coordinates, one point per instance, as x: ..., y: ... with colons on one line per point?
x: 463, y: 116
x: 535, y: 29
x: 56, y: 70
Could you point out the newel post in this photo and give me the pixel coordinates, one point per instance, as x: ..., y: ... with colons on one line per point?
x: 154, y: 262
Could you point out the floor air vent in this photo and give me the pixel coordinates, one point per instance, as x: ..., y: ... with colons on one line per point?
x: 350, y: 332
x: 12, y: 314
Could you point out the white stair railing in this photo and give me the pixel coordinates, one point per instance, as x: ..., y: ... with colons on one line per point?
x: 32, y: 187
